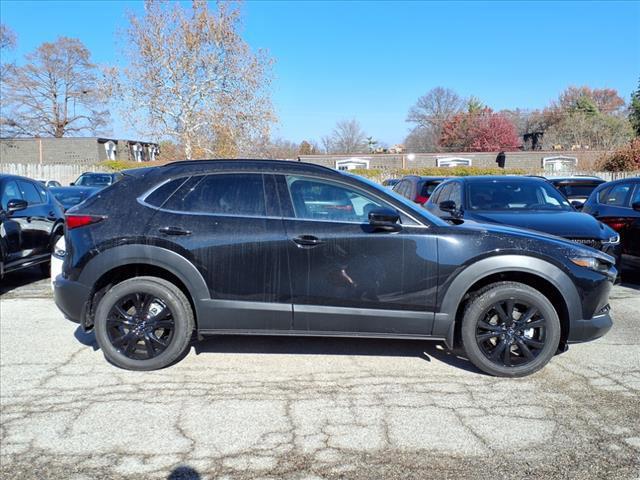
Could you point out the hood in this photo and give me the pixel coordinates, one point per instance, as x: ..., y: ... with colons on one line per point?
x: 568, y: 247
x: 568, y: 224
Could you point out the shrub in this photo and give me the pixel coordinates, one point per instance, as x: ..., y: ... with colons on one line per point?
x: 625, y: 159
x: 380, y: 175
x: 117, y: 165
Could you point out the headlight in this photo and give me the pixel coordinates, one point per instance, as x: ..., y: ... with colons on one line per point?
x: 591, y: 263
x: 613, y: 240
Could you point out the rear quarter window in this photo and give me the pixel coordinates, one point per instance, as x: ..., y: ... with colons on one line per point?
x: 162, y: 192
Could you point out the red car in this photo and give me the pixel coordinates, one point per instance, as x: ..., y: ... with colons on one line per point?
x: 417, y: 189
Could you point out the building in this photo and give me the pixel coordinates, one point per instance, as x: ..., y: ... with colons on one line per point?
x: 80, y: 151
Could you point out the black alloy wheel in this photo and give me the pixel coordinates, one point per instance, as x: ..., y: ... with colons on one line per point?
x: 511, y: 333
x: 144, y: 323
x: 140, y: 326
x: 510, y: 329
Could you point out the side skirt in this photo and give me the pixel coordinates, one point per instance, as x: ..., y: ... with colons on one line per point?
x: 306, y: 333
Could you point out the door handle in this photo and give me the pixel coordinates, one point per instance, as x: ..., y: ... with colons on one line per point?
x: 308, y: 241
x: 174, y: 231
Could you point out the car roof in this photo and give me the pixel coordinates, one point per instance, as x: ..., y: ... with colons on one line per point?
x: 204, y: 166
x: 501, y: 178
x: 422, y: 177
x: 7, y: 176
x: 576, y: 179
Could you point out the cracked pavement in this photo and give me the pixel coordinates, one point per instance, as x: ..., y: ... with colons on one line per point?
x: 266, y: 407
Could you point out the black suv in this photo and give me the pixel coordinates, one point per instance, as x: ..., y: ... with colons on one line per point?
x: 524, y: 202
x: 288, y: 248
x: 31, y: 222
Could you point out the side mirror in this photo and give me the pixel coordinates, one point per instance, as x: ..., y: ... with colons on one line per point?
x: 636, y: 206
x: 578, y: 205
x: 16, y: 205
x: 448, y: 206
x: 72, y: 184
x: 384, y: 219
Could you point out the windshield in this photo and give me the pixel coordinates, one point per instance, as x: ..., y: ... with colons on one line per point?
x: 94, y: 180
x: 69, y: 199
x: 514, y: 195
x: 578, y: 190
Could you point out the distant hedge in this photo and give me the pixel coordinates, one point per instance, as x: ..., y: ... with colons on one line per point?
x: 384, y: 174
x: 117, y: 165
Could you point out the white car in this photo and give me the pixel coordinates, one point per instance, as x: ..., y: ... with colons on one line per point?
x: 57, y: 257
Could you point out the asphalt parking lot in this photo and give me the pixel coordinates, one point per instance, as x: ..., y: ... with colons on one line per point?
x: 252, y: 407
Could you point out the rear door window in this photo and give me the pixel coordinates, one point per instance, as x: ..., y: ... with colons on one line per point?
x: 238, y: 194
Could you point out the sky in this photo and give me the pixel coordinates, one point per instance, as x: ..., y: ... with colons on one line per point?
x: 372, y: 60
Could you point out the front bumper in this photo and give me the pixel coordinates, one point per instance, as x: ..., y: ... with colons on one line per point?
x: 71, y: 298
x: 587, y: 330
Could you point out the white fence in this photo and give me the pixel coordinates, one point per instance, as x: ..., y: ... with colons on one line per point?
x: 64, y: 173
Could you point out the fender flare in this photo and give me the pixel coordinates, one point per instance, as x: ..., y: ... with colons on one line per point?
x: 445, y: 319
x: 152, y: 255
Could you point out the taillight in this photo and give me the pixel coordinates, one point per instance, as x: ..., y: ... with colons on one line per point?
x: 421, y: 200
x: 616, y: 223
x: 75, y: 221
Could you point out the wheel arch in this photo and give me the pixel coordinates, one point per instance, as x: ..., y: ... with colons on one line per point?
x: 126, y: 261
x: 535, y: 272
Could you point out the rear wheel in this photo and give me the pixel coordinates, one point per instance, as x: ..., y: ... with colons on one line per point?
x: 510, y: 330
x: 144, y: 323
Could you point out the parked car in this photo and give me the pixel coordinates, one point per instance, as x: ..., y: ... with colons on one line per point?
x: 617, y: 204
x: 100, y: 180
x: 50, y: 183
x: 31, y: 221
x: 71, y: 196
x: 390, y: 182
x: 526, y: 202
x: 289, y: 248
x: 417, y: 189
x: 577, y: 188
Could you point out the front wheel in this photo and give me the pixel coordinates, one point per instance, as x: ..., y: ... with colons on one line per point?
x: 510, y: 329
x: 144, y: 323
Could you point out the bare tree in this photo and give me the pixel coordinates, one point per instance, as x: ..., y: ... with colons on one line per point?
x: 7, y: 42
x: 429, y: 114
x: 347, y: 137
x: 583, y: 130
x: 193, y: 79
x: 57, y: 92
x: 7, y: 37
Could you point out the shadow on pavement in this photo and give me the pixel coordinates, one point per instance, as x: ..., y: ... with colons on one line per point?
x: 631, y: 278
x: 184, y: 473
x: 268, y: 345
x: 21, y: 278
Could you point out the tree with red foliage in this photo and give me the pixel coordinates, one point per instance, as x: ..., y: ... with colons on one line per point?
x: 482, y: 131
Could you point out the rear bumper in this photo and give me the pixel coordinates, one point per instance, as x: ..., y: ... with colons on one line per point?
x: 587, y: 330
x: 71, y: 298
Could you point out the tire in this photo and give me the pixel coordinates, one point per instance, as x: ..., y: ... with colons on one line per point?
x: 522, y: 345
x: 144, y: 323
